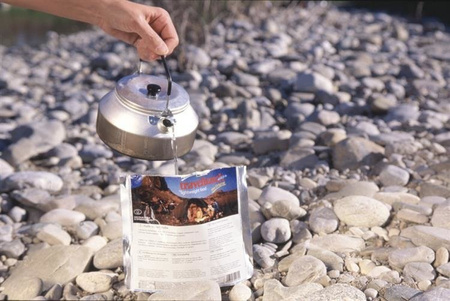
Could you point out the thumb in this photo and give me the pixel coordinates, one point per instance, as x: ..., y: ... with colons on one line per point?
x: 151, y: 39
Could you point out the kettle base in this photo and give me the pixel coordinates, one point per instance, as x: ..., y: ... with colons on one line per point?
x: 142, y: 147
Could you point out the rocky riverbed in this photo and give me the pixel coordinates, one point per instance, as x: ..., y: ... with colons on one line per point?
x: 342, y: 118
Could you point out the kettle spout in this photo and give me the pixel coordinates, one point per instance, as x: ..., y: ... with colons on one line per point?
x: 166, y: 124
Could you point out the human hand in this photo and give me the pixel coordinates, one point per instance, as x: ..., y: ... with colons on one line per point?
x: 149, y: 29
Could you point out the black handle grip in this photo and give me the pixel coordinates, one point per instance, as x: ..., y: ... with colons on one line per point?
x: 169, y: 77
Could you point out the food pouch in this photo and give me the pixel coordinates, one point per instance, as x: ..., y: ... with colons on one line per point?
x: 185, y: 228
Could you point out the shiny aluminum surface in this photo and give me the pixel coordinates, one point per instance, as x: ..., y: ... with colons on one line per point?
x: 130, y: 122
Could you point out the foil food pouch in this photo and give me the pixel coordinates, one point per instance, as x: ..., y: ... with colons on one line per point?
x: 185, y: 228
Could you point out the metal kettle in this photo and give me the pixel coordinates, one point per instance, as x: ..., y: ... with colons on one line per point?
x: 147, y: 117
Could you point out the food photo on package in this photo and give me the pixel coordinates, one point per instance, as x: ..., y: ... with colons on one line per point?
x: 186, y: 228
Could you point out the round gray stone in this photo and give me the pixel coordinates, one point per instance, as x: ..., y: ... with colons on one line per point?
x: 95, y: 282
x: 26, y: 288
x: 306, y: 269
x: 419, y: 271
x: 110, y: 256
x: 393, y: 175
x: 323, y: 220
x: 399, y: 258
x: 354, y: 152
x: 263, y: 256
x: 276, y: 230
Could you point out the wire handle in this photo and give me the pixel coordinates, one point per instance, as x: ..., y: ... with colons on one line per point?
x: 169, y: 77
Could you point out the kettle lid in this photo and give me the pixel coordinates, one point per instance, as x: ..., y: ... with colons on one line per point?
x: 149, y: 93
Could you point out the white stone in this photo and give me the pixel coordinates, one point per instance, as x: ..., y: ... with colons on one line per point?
x: 95, y: 282
x: 86, y: 229
x: 275, y: 291
x: 276, y: 230
x: 361, y: 211
x: 393, y: 175
x: 306, y: 269
x: 336, y: 292
x: 240, y: 292
x: 394, y: 197
x: 64, y: 217
x: 95, y: 243
x: 399, y: 258
x: 442, y: 256
x: 273, y: 194
x: 54, y: 235
x: 339, y: 243
x: 207, y: 290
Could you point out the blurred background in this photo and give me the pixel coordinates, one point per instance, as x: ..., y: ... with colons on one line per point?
x: 19, y: 27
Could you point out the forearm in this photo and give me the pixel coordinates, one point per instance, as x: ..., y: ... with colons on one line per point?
x: 81, y: 10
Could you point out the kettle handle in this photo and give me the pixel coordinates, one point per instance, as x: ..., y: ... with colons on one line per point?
x: 168, y: 76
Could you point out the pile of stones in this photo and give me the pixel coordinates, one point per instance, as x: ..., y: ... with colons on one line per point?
x: 342, y: 117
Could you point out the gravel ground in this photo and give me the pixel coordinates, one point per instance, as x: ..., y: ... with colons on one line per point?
x: 342, y: 118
